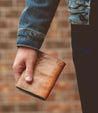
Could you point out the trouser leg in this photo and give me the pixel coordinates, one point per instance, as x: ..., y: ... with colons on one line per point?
x: 85, y: 50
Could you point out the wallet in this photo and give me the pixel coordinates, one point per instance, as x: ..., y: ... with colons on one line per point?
x: 45, y: 74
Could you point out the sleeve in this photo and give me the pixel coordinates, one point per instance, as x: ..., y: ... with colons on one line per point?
x: 35, y: 21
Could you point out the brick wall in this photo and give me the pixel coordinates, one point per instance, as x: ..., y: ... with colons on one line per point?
x: 64, y: 98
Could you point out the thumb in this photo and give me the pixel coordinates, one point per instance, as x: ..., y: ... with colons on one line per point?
x: 29, y: 72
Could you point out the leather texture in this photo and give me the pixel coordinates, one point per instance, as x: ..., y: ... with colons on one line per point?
x: 46, y: 71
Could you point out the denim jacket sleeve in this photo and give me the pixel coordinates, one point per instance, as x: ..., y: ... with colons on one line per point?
x: 35, y: 21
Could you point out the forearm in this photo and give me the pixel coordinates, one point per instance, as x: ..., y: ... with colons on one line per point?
x: 35, y: 21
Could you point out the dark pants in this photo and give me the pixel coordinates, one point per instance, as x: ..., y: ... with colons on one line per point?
x: 85, y: 57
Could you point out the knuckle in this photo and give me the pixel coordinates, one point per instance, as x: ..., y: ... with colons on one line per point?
x: 15, y: 66
x: 29, y: 71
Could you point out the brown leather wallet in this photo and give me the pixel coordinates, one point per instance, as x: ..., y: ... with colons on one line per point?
x: 46, y: 71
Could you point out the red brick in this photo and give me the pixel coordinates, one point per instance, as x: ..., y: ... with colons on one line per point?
x: 12, y: 35
x: 64, y: 85
x: 20, y: 3
x: 19, y: 97
x: 29, y: 107
x: 77, y: 106
x: 4, y: 67
x: 52, y: 33
x: 64, y: 33
x: 62, y: 3
x: 51, y: 97
x: 66, y: 54
x: 5, y: 3
x: 12, y: 13
x: 0, y: 14
x: 59, y: 107
x: 7, y: 108
x: 8, y: 55
x: 62, y: 13
x: 4, y: 87
x: 53, y: 53
x: 1, y: 111
x: 69, y: 66
x: 55, y: 95
x: 1, y: 98
x: 72, y: 96
x: 3, y: 24
x: 67, y: 76
x: 76, y: 96
x: 9, y: 23
x: 57, y: 44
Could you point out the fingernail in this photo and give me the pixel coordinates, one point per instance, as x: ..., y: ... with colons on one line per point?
x: 28, y: 78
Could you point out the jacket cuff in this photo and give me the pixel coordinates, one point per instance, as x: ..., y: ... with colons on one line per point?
x: 31, y: 39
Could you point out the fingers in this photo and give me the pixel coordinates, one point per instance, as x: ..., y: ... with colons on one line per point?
x: 29, y: 72
x: 25, y: 58
x: 30, y: 62
x: 17, y: 75
x: 18, y: 69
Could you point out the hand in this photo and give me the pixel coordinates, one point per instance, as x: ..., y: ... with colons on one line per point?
x: 25, y: 58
